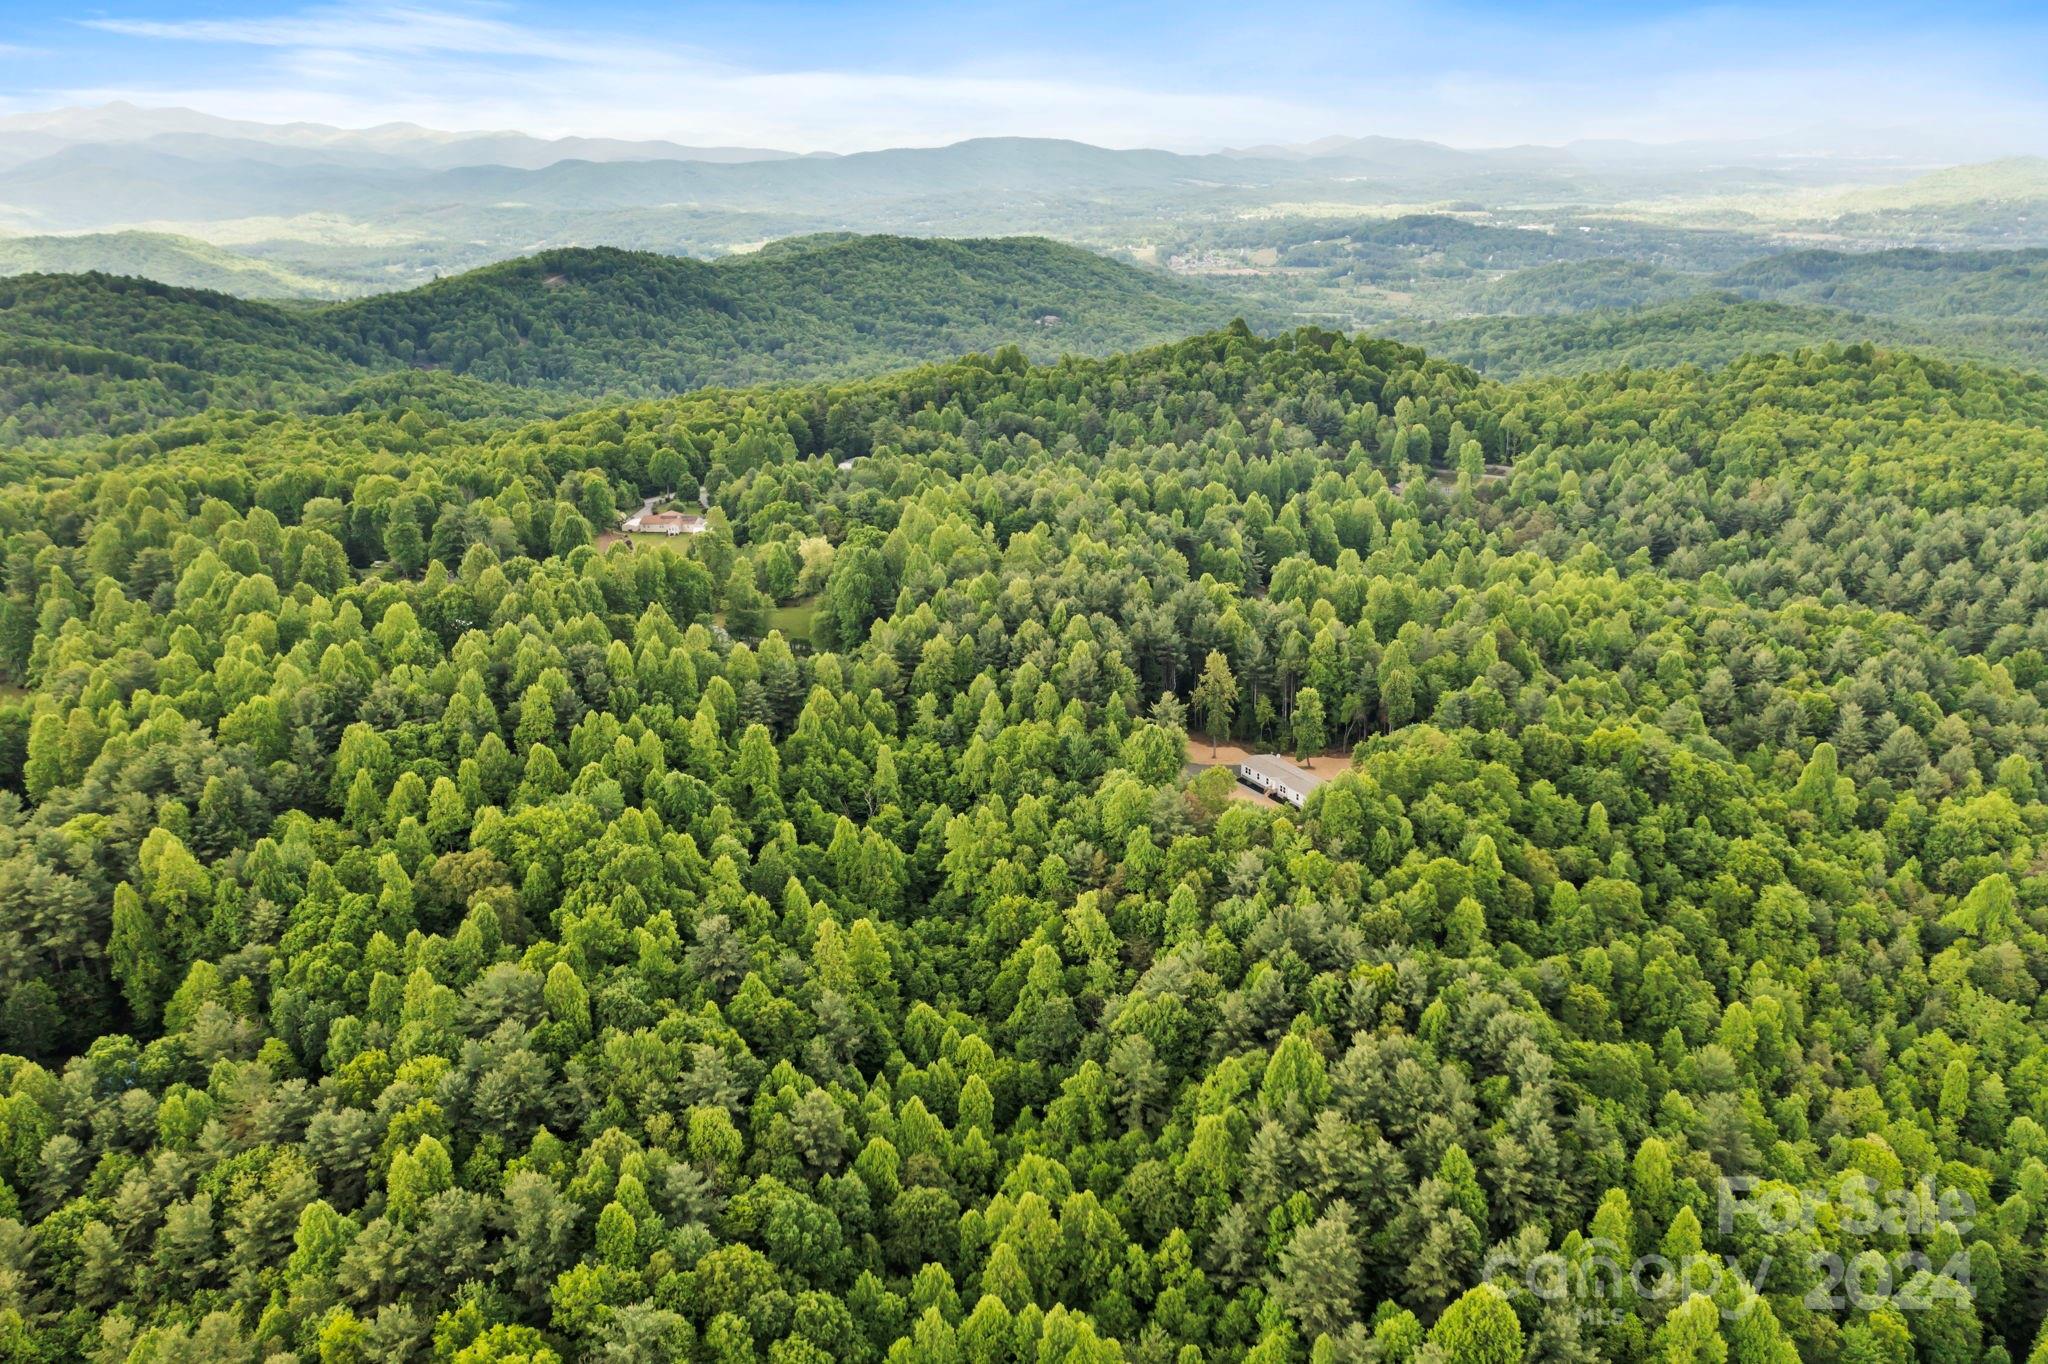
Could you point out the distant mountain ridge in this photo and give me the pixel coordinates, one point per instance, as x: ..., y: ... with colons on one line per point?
x: 190, y: 133
x: 91, y: 185
x: 110, y: 166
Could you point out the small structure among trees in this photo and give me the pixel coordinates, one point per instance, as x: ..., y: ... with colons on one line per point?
x: 664, y: 523
x: 1278, y: 778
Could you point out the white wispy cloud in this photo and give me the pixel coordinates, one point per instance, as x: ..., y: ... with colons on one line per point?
x: 1408, y: 69
x: 469, y: 68
x: 392, y: 28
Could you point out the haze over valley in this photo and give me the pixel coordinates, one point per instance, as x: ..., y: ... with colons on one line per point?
x: 1415, y: 238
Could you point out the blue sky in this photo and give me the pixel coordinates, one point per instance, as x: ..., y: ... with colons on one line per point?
x: 843, y: 77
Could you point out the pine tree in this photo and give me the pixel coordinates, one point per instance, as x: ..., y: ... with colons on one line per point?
x: 1479, y: 1328
x: 1215, y: 697
x: 136, y: 956
x: 1310, y: 730
x: 1319, y: 1271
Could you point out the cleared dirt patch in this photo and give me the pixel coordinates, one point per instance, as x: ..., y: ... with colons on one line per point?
x: 1326, y: 764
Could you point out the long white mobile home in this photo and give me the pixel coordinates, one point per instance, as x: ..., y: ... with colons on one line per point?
x: 1278, y: 778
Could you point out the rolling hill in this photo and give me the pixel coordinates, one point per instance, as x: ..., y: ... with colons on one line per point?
x: 1576, y: 315
x: 1990, y: 203
x: 82, y: 353
x: 2010, y: 180
x: 616, y: 321
x: 1708, y: 329
x: 162, y: 256
x: 1580, y: 286
x: 95, y: 352
x: 1916, y: 283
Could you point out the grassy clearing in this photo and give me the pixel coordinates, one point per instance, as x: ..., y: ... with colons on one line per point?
x: 794, y: 620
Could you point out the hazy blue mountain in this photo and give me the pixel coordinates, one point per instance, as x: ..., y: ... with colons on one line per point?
x: 189, y: 133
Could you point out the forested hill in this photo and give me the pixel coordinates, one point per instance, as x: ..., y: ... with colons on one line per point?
x: 1709, y: 329
x: 430, y: 935
x: 93, y: 352
x: 160, y: 256
x: 1905, y: 283
x: 106, y: 353
x: 621, y: 321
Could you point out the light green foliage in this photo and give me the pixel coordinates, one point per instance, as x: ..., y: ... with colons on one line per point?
x: 473, y: 943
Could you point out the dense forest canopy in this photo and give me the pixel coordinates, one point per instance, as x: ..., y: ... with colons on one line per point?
x: 433, y: 934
